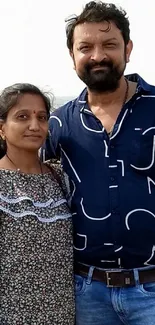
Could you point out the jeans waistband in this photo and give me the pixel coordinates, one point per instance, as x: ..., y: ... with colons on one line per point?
x: 116, y: 277
x: 147, y: 267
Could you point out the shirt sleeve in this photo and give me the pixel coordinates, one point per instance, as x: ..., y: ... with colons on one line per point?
x: 51, y: 147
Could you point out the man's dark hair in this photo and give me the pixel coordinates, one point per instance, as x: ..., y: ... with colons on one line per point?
x: 96, y: 12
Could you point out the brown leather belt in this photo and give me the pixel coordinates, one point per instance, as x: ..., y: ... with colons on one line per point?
x: 122, y: 278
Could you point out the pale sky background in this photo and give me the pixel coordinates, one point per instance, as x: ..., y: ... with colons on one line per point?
x: 33, y: 43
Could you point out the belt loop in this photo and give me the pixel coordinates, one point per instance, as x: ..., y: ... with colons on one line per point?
x: 136, y: 276
x: 90, y: 275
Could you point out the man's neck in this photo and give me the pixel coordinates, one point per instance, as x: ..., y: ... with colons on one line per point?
x: 108, y: 98
x: 107, y: 106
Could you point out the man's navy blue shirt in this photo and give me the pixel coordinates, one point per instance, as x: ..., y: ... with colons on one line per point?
x: 111, y: 180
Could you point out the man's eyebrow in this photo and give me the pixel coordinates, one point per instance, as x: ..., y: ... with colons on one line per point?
x: 107, y: 40
x: 110, y: 39
x: 83, y: 42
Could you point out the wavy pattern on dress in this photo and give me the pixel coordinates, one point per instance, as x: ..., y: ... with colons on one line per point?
x: 31, y: 213
x: 35, y: 203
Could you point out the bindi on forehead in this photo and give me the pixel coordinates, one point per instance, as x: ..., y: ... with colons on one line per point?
x: 38, y: 111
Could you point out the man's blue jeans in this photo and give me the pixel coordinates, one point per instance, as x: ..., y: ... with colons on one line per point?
x: 96, y: 304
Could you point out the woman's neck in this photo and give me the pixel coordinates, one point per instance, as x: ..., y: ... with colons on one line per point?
x: 26, y: 161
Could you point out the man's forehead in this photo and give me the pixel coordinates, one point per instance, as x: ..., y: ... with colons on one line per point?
x: 89, y: 29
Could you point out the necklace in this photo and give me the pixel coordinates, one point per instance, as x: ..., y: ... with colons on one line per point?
x: 18, y: 169
x: 124, y: 101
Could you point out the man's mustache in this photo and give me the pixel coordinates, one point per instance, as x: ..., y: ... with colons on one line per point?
x: 101, y: 64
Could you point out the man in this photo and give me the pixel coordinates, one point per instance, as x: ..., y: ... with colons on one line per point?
x: 106, y: 141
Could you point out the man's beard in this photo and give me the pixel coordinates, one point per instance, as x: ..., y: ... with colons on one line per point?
x: 102, y: 80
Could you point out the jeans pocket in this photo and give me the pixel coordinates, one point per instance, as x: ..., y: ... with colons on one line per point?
x: 148, y: 288
x: 80, y: 285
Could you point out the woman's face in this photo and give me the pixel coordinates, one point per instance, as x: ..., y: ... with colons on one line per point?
x: 26, y: 125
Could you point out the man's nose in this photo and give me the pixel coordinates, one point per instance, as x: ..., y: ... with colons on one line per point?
x: 98, y: 54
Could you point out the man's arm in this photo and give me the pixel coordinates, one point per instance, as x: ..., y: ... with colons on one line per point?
x: 51, y: 148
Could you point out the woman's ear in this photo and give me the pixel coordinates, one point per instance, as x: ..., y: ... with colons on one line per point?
x: 2, y: 135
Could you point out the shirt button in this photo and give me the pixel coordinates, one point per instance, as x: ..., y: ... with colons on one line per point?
x: 114, y: 210
x: 112, y: 178
x: 112, y: 146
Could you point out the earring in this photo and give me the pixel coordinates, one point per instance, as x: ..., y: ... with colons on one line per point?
x: 2, y: 135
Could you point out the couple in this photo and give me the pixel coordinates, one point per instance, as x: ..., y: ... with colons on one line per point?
x: 105, y: 139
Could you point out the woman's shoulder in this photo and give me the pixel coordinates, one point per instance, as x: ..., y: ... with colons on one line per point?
x: 7, y: 174
x: 55, y: 167
x: 59, y: 174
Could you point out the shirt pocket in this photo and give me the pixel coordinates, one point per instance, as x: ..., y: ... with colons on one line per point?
x: 142, y: 152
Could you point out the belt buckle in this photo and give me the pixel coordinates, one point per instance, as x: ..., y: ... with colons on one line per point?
x: 108, y: 278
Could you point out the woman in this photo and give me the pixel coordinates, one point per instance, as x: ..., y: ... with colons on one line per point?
x: 35, y: 225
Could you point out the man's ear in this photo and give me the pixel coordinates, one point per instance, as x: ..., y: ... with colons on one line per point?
x: 72, y: 56
x: 129, y: 48
x: 71, y: 53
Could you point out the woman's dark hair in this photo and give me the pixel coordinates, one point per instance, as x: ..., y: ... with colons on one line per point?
x: 96, y: 12
x: 10, y: 96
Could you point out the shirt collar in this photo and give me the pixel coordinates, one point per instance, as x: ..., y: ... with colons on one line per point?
x: 81, y: 101
x: 142, y: 87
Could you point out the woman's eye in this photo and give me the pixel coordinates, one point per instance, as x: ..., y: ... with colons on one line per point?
x: 22, y: 116
x: 43, y: 118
